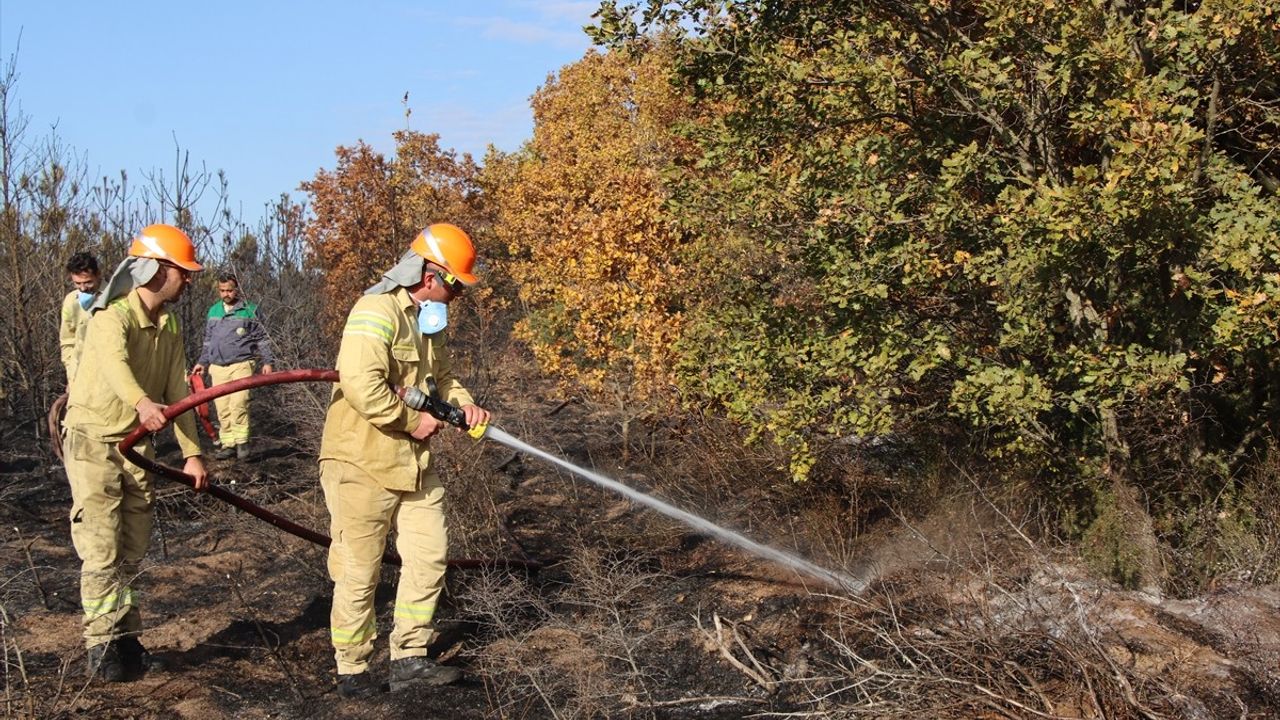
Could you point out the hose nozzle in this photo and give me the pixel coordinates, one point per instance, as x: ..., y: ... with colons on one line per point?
x: 441, y: 410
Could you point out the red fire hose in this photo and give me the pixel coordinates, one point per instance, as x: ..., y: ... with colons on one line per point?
x: 202, y: 410
x: 221, y: 493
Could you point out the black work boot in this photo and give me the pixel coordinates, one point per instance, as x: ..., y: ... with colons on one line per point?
x: 137, y: 660
x: 411, y: 671
x: 226, y: 453
x: 357, y: 685
x: 104, y: 662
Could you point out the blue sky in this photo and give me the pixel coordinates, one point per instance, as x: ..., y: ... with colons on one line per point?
x: 266, y: 90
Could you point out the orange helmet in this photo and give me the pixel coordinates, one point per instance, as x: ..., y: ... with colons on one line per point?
x: 447, y: 245
x: 166, y: 242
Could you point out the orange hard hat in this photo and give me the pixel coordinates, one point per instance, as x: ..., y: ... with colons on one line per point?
x: 448, y: 246
x: 166, y: 242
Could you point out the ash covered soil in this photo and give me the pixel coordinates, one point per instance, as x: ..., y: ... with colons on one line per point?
x: 568, y: 601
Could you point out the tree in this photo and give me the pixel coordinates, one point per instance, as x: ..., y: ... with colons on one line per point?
x: 594, y: 252
x: 1052, y: 222
x: 369, y: 207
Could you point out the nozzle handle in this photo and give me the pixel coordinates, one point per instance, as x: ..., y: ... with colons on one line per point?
x: 441, y: 410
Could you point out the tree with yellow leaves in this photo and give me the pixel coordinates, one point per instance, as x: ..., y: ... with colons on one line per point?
x: 594, y: 253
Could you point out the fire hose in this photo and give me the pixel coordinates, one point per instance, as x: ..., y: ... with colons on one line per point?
x: 202, y: 410
x: 285, y: 376
x: 55, y: 423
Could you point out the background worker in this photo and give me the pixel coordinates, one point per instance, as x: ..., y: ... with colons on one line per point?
x: 138, y: 367
x: 82, y: 269
x: 375, y: 468
x: 233, y: 339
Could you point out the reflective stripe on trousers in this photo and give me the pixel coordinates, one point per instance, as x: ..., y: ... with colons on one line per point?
x: 362, y: 514
x: 111, y: 518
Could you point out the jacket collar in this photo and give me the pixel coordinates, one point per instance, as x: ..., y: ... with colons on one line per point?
x: 140, y: 311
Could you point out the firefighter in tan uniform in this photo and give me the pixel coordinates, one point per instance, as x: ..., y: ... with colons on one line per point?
x: 138, y: 366
x: 375, y: 467
x: 82, y: 269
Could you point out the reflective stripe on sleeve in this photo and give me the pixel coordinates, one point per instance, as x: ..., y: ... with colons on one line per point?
x: 369, y: 324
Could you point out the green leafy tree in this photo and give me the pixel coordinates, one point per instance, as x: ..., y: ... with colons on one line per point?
x: 1053, y: 222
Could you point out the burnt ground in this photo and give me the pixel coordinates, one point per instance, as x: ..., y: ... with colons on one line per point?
x: 625, y: 614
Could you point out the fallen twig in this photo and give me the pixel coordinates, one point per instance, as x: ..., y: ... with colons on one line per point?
x: 717, y: 641
x: 35, y: 575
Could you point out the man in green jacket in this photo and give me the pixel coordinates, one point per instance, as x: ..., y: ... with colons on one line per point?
x: 234, y: 340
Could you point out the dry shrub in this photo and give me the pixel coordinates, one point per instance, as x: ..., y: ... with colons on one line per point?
x: 1231, y: 536
x: 986, y: 623
x: 577, y: 650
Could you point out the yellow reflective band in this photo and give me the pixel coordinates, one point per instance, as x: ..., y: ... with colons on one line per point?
x: 107, y: 604
x: 416, y: 611
x: 354, y: 637
x: 371, y: 324
x: 371, y: 318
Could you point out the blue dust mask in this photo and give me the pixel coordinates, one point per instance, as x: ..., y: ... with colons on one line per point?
x: 85, y: 299
x: 432, y: 317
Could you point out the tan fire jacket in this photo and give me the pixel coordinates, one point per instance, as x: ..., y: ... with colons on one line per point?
x: 129, y: 357
x: 367, y: 425
x: 71, y: 327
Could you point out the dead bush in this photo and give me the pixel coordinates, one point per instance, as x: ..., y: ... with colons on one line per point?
x: 575, y: 650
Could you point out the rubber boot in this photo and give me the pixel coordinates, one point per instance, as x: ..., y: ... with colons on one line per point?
x: 357, y: 685
x: 136, y: 659
x: 412, y: 671
x: 104, y: 662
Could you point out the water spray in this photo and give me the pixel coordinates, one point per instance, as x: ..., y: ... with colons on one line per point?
x: 451, y: 414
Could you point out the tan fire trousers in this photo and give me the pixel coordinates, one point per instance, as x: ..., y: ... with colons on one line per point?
x: 111, y: 517
x: 361, y: 513
x: 233, y: 409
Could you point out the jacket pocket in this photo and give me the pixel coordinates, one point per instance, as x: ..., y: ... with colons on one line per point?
x: 405, y: 359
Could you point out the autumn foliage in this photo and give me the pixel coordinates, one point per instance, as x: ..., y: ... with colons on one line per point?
x: 370, y: 206
x: 581, y: 208
x: 1047, y: 231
